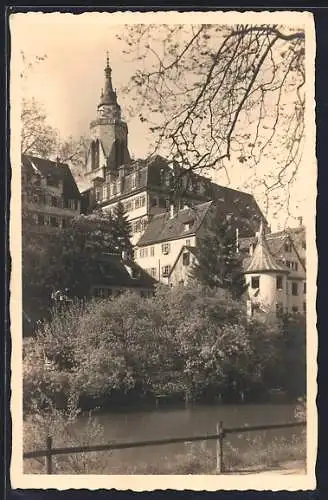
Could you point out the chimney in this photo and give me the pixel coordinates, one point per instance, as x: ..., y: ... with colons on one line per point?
x: 171, y: 210
x: 300, y: 221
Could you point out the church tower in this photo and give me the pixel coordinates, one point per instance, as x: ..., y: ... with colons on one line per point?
x: 109, y: 135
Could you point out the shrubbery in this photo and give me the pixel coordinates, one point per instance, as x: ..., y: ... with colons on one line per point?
x: 192, y: 341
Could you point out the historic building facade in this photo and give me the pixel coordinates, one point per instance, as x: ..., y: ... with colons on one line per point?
x: 152, y: 186
x: 50, y: 194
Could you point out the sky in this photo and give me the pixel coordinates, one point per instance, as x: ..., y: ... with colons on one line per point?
x: 69, y: 81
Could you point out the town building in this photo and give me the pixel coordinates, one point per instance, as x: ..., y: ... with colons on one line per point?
x: 275, y: 274
x: 114, y: 274
x: 167, y: 233
x: 49, y: 193
x: 151, y: 186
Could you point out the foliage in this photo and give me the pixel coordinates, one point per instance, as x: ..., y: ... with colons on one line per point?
x: 218, y: 263
x: 208, y: 89
x: 64, y: 429
x: 67, y: 258
x: 38, y: 138
x: 122, y: 229
x: 158, y: 346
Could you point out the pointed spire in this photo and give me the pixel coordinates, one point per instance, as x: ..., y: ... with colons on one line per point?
x: 262, y: 259
x: 108, y: 95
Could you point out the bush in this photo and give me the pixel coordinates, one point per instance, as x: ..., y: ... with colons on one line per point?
x: 191, y: 341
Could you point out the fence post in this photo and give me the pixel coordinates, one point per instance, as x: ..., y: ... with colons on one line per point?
x: 49, y: 455
x: 219, y: 448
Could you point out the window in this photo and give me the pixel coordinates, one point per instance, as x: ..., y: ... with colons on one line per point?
x: 42, y: 199
x: 255, y: 282
x: 294, y: 289
x: 71, y: 204
x: 54, y: 202
x: 153, y: 272
x: 304, y: 287
x: 187, y: 226
x: 64, y: 223
x: 142, y: 201
x: 287, y: 247
x: 165, y: 248
x: 137, y: 203
x: 152, y: 251
x: 294, y: 309
x: 166, y: 270
x: 287, y: 263
x: 41, y: 220
x: 186, y: 259
x: 143, y: 224
x: 303, y: 245
x: 304, y: 307
x: 98, y: 194
x: 118, y: 187
x: 133, y: 181
x: 188, y: 243
x: 279, y: 283
x: 144, y: 252
x: 54, y: 221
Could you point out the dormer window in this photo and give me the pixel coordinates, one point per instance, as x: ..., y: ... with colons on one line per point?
x: 187, y: 226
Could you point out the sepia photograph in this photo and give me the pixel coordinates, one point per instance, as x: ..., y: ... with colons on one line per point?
x: 162, y: 236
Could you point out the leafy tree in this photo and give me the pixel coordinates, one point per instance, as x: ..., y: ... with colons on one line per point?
x: 122, y: 229
x: 66, y: 258
x: 218, y: 263
x: 208, y: 89
x: 38, y: 138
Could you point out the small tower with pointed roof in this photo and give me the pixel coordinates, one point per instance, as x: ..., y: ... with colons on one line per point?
x: 266, y: 279
x: 109, y: 134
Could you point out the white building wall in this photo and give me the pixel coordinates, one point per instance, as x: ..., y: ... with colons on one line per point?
x: 153, y: 258
x: 269, y: 296
x: 296, y: 303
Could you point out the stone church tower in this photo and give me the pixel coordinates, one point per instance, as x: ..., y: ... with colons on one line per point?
x: 109, y: 135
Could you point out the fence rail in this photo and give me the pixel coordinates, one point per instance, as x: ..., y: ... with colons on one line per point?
x: 219, y: 436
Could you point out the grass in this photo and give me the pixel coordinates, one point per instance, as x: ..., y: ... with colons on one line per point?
x: 196, y: 458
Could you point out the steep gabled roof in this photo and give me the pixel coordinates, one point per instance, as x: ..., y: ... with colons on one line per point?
x: 185, y: 248
x: 262, y: 259
x: 112, y: 271
x: 56, y: 171
x: 163, y: 228
x: 276, y: 242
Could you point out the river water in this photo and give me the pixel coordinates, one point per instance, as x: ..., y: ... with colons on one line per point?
x: 198, y: 420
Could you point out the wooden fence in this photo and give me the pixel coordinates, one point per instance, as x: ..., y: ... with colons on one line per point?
x: 221, y: 433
